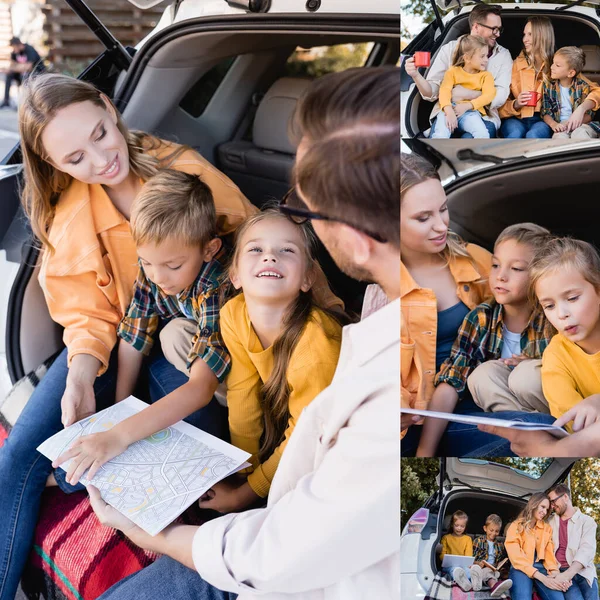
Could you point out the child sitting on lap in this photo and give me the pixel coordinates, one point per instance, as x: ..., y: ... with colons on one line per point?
x: 173, y: 224
x: 458, y: 543
x: 469, y: 62
x: 566, y: 99
x: 500, y: 342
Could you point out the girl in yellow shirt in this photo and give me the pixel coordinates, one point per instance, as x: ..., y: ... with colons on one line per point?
x: 458, y: 543
x: 284, y: 349
x: 565, y: 277
x: 468, y: 70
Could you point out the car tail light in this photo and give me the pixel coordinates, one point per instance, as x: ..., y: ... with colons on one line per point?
x: 417, y: 522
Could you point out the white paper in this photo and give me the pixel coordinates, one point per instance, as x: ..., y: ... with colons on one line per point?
x: 477, y: 420
x: 157, y: 478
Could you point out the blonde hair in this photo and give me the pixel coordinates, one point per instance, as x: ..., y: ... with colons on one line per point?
x: 174, y: 205
x: 459, y: 514
x: 543, y: 43
x: 560, y: 253
x: 526, y: 515
x: 42, y: 97
x: 574, y: 56
x: 275, y: 391
x: 531, y: 234
x: 494, y: 520
x: 466, y: 46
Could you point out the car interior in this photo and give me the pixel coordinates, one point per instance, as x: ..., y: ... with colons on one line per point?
x: 569, y: 29
x: 230, y: 95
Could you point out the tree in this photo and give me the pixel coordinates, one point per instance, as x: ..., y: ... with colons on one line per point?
x: 419, y: 481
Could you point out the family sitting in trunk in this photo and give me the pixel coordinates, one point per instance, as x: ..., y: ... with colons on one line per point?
x: 550, y: 548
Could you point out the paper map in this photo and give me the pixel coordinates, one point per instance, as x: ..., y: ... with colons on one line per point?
x: 157, y: 478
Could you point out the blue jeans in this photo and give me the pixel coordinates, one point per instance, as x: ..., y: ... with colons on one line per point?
x: 522, y: 588
x: 23, y: 470
x: 463, y: 440
x: 581, y: 590
x: 470, y: 122
x: 528, y: 127
x: 165, y: 578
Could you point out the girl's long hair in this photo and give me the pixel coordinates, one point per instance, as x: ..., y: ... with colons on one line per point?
x: 467, y: 44
x: 42, y: 97
x: 543, y: 43
x: 275, y: 392
x: 526, y: 515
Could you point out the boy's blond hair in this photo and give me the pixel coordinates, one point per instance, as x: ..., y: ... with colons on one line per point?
x: 174, y: 205
x: 574, y: 56
x: 494, y: 520
x: 531, y: 234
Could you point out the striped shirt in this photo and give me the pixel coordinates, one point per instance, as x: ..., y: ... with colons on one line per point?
x: 480, y: 339
x: 200, y: 302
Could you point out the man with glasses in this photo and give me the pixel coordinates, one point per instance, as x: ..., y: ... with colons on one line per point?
x: 485, y: 21
x: 574, y: 538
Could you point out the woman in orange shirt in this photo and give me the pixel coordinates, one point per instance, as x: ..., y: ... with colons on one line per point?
x: 531, y: 552
x: 82, y: 171
x: 530, y: 69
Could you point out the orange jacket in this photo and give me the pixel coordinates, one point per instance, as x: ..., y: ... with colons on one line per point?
x: 418, y: 325
x: 521, y: 547
x: 524, y: 80
x: 88, y: 280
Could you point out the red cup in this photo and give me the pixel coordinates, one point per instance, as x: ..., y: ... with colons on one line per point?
x: 422, y: 59
x: 533, y: 99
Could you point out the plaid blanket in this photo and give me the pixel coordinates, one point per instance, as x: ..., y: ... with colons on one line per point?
x: 443, y: 588
x: 73, y: 557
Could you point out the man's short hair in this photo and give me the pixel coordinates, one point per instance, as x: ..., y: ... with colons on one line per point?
x: 560, y: 489
x: 481, y: 11
x: 174, y: 205
x: 494, y: 520
x: 574, y: 56
x: 15, y: 41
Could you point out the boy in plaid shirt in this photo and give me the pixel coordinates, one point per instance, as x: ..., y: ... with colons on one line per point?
x: 500, y: 342
x: 569, y: 99
x: 181, y: 260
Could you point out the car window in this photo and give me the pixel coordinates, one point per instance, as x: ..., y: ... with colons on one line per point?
x: 199, y: 95
x: 320, y: 60
x: 530, y: 467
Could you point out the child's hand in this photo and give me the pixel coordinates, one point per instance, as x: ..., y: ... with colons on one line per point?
x: 558, y: 127
x: 90, y: 452
x: 228, y: 496
x: 584, y: 414
x: 514, y: 360
x: 461, y: 108
x: 451, y: 120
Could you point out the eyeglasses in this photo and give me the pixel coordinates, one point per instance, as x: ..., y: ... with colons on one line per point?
x: 553, y: 502
x: 495, y: 30
x: 292, y: 206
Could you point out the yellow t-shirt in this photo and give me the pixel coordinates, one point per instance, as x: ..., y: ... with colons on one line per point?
x: 569, y: 374
x: 310, y: 370
x: 460, y: 545
x: 480, y: 82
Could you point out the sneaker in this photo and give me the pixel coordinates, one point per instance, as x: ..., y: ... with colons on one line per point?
x: 501, y: 588
x: 476, y: 577
x: 461, y: 578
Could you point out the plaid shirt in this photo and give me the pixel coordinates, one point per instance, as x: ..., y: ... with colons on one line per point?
x: 578, y: 92
x: 480, y: 339
x: 480, y: 550
x: 199, y: 301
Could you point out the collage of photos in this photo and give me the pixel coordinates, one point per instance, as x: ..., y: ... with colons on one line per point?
x: 500, y: 299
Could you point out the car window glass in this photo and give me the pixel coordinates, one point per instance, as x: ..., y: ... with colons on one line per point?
x: 318, y: 61
x: 530, y: 467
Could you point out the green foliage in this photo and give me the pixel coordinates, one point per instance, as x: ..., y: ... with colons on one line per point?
x: 585, y: 483
x: 331, y: 59
x: 418, y: 479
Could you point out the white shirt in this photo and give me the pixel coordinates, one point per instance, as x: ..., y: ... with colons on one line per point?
x: 581, y: 545
x: 491, y: 553
x: 511, y: 343
x: 499, y: 65
x: 331, y: 528
x: 566, y: 110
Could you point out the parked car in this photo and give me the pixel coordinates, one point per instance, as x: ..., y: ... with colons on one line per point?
x: 574, y: 25
x: 478, y: 487
x: 218, y: 78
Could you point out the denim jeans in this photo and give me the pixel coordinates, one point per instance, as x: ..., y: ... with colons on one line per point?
x: 522, y: 588
x: 23, y: 470
x: 528, y: 127
x: 165, y: 578
x: 581, y: 590
x: 470, y: 122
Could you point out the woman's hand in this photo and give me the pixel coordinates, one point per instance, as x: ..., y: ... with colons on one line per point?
x: 109, y: 516
x: 78, y: 401
x: 576, y: 119
x: 461, y: 108
x: 228, y: 496
x: 521, y: 100
x: 451, y: 120
x: 553, y: 584
x: 407, y: 420
x: 525, y: 443
x: 584, y: 414
x: 91, y: 452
